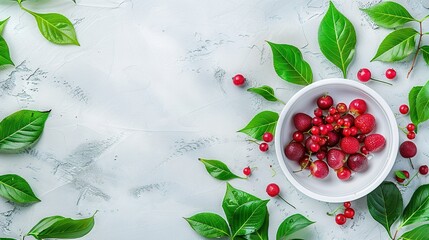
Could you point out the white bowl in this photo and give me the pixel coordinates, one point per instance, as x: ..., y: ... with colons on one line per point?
x: 331, y: 189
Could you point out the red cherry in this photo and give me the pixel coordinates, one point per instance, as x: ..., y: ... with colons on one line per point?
x: 347, y: 124
x: 317, y: 121
x: 364, y: 150
x: 349, y: 212
x: 321, y: 155
x: 322, y: 141
x: 332, y: 110
x: 347, y: 204
x: 329, y: 119
x: 315, y: 138
x: 404, y: 109
x: 273, y: 189
x: 247, y: 171
x: 353, y: 131
x: 323, y: 130
x: 298, y: 136
x: 411, y: 135
x: 390, y: 73
x: 263, y: 147
x: 347, y: 132
x: 341, y: 107
x: 329, y: 127
x: 364, y: 75
x: 238, y: 80
x: 344, y: 173
x: 340, y: 122
x: 314, y: 147
x: 358, y: 106
x: 411, y: 127
x: 423, y: 170
x: 267, y: 137
x: 314, y: 130
x: 340, y: 219
x: 318, y: 112
x: 325, y: 102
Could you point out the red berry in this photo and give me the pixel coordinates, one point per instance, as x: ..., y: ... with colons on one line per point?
x: 302, y: 122
x: 321, y: 155
x: 340, y: 122
x: 349, y: 145
x: 247, y: 171
x: 315, y: 138
x: 332, y: 110
x: 404, y: 109
x: 347, y: 204
x: 347, y: 124
x: 317, y: 121
x: 329, y: 119
x: 358, y: 106
x: 423, y: 170
x: 314, y: 147
x: 349, y: 212
x: 344, y: 173
x: 322, y: 141
x: 374, y: 142
x: 364, y: 75
x: 340, y: 219
x: 323, y: 130
x: 304, y: 163
x: 390, y: 73
x: 318, y: 112
x: 298, y: 136
x: 361, y: 138
x: 408, y: 149
x: 341, y: 107
x: 314, y: 130
x: 263, y: 147
x: 411, y: 127
x: 267, y: 137
x: 411, y: 135
x: 273, y: 189
x: 325, y: 102
x: 347, y: 132
x: 294, y: 151
x: 364, y: 150
x: 365, y: 123
x: 354, y: 131
x: 336, y: 158
x: 319, y: 169
x: 336, y: 116
x: 399, y: 180
x: 406, y: 173
x: 238, y: 80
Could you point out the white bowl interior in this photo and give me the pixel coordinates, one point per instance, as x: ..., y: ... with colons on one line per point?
x: 331, y: 189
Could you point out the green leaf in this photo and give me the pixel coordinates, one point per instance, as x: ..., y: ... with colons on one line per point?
x: 292, y: 224
x: 289, y: 64
x: 262, y: 233
x: 422, y: 103
x: 418, y: 233
x: 249, y: 217
x: 417, y: 209
x: 398, y: 45
x: 218, y: 169
x: 209, y: 225
x: 14, y: 188
x: 4, y: 53
x: 61, y: 227
x: 389, y: 14
x: 7, y: 239
x: 385, y: 204
x: 412, y: 99
x: 425, y: 52
x: 400, y: 174
x: 233, y: 199
x: 261, y: 123
x: 337, y: 38
x: 2, y: 26
x: 55, y: 27
x: 21, y: 129
x: 266, y: 92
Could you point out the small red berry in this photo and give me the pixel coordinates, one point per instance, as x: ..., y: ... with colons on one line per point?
x: 347, y: 124
x: 336, y: 116
x: 361, y: 138
x: 353, y: 131
x: 423, y: 170
x: 358, y: 106
x: 347, y: 204
x: 329, y: 127
x: 322, y: 141
x: 314, y: 147
x: 263, y: 147
x: 317, y: 121
x: 347, y: 132
x: 323, y: 130
x: 411, y: 135
x: 298, y: 136
x: 273, y: 189
x: 332, y: 110
x: 238, y: 80
x: 340, y: 219
x: 314, y: 130
x: 341, y: 107
x: 315, y: 138
x: 411, y: 127
x: 321, y: 155
x: 329, y: 119
x: 404, y: 109
x: 325, y: 102
x: 390, y: 73
x: 318, y: 112
x: 399, y: 180
x: 364, y: 75
x: 406, y: 173
x: 349, y: 212
x: 364, y: 150
x: 267, y: 137
x: 340, y: 122
x: 247, y: 171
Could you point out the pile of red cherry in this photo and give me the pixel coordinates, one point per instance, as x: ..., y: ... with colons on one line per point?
x: 334, y: 135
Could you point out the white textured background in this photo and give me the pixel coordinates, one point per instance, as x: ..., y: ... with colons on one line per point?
x: 149, y: 92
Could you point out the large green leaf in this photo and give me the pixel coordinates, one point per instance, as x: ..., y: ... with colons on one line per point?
x: 2, y: 26
x: 422, y: 103
x: 292, y: 224
x: 385, y: 204
x: 249, y: 217
x: 389, y: 14
x: 290, y: 65
x: 418, y: 233
x: 218, y: 169
x: 261, y: 123
x: 417, y: 209
x: 61, y: 227
x: 412, y: 99
x: 425, y: 53
x: 398, y: 45
x: 21, y: 129
x: 14, y: 188
x: 233, y: 199
x: 4, y: 53
x: 262, y: 233
x: 337, y: 38
x: 266, y: 92
x: 209, y: 225
x: 7, y: 239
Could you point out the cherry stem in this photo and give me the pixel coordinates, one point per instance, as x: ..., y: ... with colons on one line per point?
x: 286, y: 201
x: 253, y: 141
x: 333, y: 212
x: 411, y: 162
x: 418, y: 49
x: 396, y: 233
x: 409, y: 181
x: 373, y: 79
x: 274, y: 171
x: 280, y: 101
x: 403, y: 129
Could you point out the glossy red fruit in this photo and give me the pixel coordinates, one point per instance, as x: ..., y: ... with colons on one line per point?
x: 315, y: 138
x: 404, y: 109
x: 314, y: 147
x: 340, y: 219
x: 390, y: 73
x: 349, y: 145
x: 336, y: 158
x: 349, y: 212
x: 411, y: 127
x: 346, y: 132
x: 247, y: 171
x: 238, y: 80
x: 423, y: 170
x: 317, y: 121
x: 350, y: 119
x: 374, y: 142
x: 294, y: 151
x: 361, y: 138
x: 358, y: 106
x: 329, y: 119
x: 268, y: 137
x: 323, y: 130
x: 315, y: 130
x: 364, y: 150
x: 365, y: 123
x: 273, y: 190
x: 304, y: 163
x: 406, y: 173
x: 263, y: 147
x: 319, y: 169
x: 333, y: 139
x: 321, y: 155
x: 347, y: 204
x: 341, y: 108
x: 340, y: 122
x: 318, y: 112
x: 357, y: 162
x: 302, y: 122
x: 332, y: 110
x: 411, y: 135
x: 298, y: 136
x: 325, y: 102
x: 344, y: 173
x: 354, y: 131
x: 364, y: 75
x: 408, y: 149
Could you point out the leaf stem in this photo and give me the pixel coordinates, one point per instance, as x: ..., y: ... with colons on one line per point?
x: 373, y: 79
x: 411, y: 162
x: 280, y: 101
x: 396, y: 233
x: 252, y: 141
x: 418, y: 48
